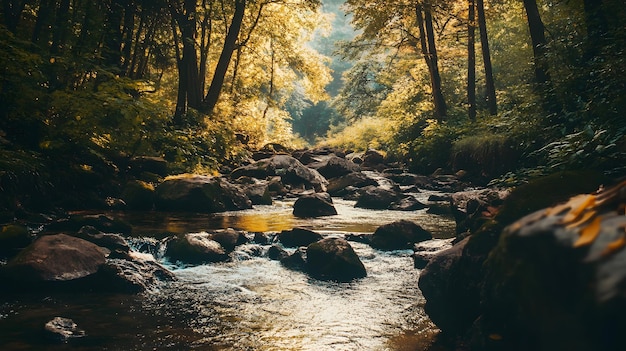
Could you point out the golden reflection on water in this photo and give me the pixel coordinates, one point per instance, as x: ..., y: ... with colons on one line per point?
x: 261, y: 222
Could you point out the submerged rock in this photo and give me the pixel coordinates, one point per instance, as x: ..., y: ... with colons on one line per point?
x: 62, y: 329
x: 314, y: 205
x: 399, y: 235
x: 334, y: 259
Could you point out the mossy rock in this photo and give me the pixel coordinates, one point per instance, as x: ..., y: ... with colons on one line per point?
x: 548, y: 191
x: 138, y: 195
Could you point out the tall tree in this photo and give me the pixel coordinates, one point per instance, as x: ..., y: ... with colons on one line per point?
x: 423, y: 13
x: 538, y: 38
x: 230, y: 45
x: 471, y: 60
x: 492, y: 104
x: 13, y: 10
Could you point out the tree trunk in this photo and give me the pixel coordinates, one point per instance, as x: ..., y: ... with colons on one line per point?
x: 112, y: 45
x: 60, y: 27
x: 471, y: 62
x: 13, y: 13
x: 129, y: 30
x: 538, y: 38
x: 492, y: 104
x: 44, y: 13
x: 597, y: 27
x: 230, y: 45
x: 429, y: 50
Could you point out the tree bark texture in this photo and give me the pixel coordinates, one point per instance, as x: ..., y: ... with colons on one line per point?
x: 490, y: 87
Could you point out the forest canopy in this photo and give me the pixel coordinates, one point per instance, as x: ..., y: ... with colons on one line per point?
x: 490, y: 86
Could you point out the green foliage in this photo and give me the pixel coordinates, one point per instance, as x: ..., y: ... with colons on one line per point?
x: 486, y: 155
x: 599, y: 149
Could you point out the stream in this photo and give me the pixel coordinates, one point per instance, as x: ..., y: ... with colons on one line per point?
x: 249, y: 303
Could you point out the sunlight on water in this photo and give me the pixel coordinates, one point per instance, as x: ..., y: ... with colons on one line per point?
x: 263, y: 306
x: 278, y: 217
x: 250, y: 303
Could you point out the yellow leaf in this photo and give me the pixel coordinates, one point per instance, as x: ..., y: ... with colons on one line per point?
x: 557, y: 209
x: 579, y: 204
x: 587, y: 216
x: 615, y: 246
x: 589, y: 233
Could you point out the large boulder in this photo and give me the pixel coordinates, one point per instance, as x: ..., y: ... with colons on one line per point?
x: 297, y: 237
x: 197, y: 193
x: 54, y: 258
x: 557, y: 278
x: 334, y: 259
x: 377, y: 198
x: 314, y: 205
x: 333, y: 167
x: 373, y: 159
x: 399, y: 235
x: 196, y: 248
x: 355, y: 179
x: 136, y: 273
x: 291, y: 171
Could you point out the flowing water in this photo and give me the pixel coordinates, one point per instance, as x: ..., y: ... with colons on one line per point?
x: 250, y: 303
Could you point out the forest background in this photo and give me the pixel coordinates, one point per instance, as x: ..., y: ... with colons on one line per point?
x: 506, y: 90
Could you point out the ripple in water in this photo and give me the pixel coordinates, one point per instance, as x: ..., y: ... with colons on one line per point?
x: 257, y: 304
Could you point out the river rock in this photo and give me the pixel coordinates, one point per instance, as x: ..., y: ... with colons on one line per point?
x: 196, y: 248
x: 314, y: 205
x: 297, y: 260
x: 556, y: 281
x: 297, y: 237
x: 424, y: 251
x: 338, y: 185
x: 113, y: 242
x: 291, y: 171
x: 198, y: 193
x: 101, y: 222
x: 134, y: 274
x: 399, y: 235
x: 259, y: 193
x: 62, y: 329
x: 334, y: 167
x: 373, y: 159
x: 229, y: 238
x: 13, y: 238
x: 408, y: 203
x: 54, y: 258
x: 377, y: 198
x: 473, y: 208
x: 277, y: 253
x: 138, y: 195
x: 334, y: 259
